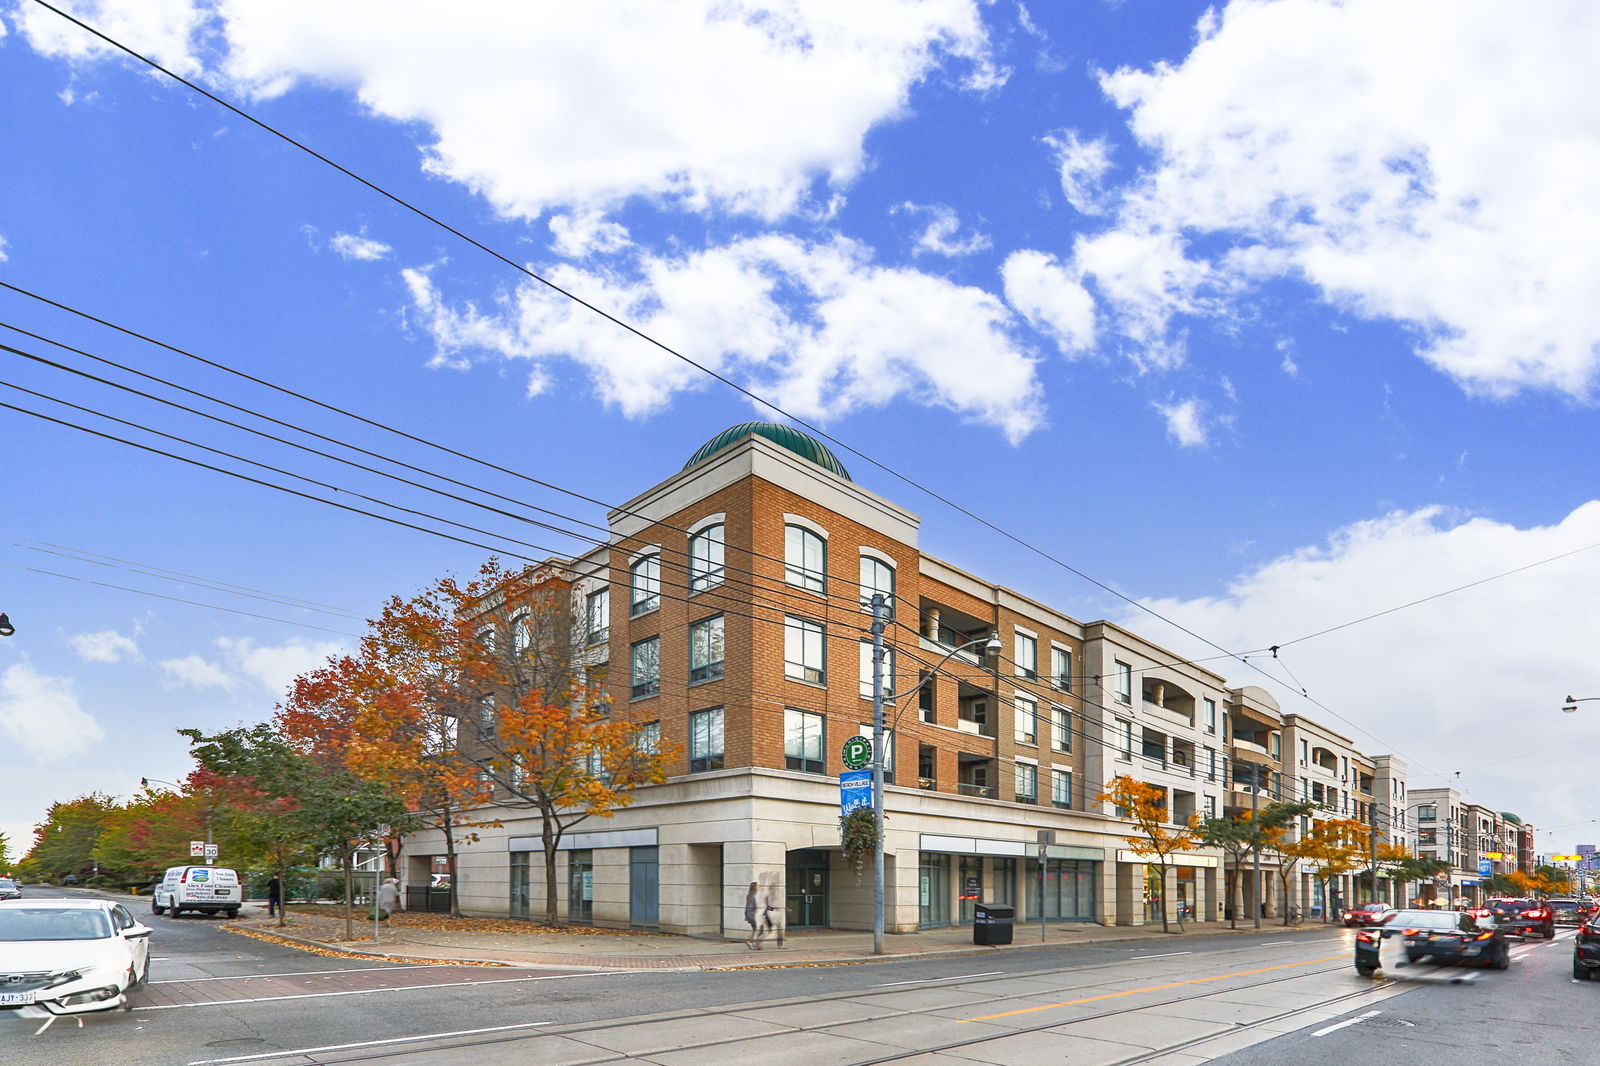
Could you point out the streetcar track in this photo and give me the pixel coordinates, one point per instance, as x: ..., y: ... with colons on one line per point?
x: 578, y: 1030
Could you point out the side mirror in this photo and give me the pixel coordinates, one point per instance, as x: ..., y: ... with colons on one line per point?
x: 137, y: 931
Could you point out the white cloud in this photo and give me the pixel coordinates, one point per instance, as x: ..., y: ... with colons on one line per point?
x: 42, y: 716
x: 1146, y: 278
x: 360, y: 247
x: 1459, y: 683
x: 736, y: 104
x: 192, y: 671
x: 817, y: 327
x: 3, y: 256
x: 1083, y: 165
x: 583, y: 233
x: 274, y: 666
x: 939, y: 236
x: 160, y: 29
x: 1185, y: 422
x: 105, y: 646
x: 1437, y: 172
x: 1051, y: 298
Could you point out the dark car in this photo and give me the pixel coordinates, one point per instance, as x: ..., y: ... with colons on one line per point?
x: 1523, y: 917
x: 1586, y: 951
x: 1568, y: 911
x: 1368, y: 914
x: 1438, y: 936
x: 9, y: 889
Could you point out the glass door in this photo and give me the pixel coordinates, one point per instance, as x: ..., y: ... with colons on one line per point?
x: 644, y: 887
x: 806, y: 890
x: 969, y: 886
x: 933, y: 889
x: 519, y: 883
x: 580, y: 885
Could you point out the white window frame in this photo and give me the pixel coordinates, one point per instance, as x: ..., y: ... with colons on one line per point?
x: 598, y: 603
x: 1026, y: 771
x: 1025, y: 719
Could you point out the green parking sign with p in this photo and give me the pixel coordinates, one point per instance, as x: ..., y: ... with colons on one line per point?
x: 856, y: 753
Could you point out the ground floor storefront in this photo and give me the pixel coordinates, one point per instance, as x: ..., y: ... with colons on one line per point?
x: 683, y: 860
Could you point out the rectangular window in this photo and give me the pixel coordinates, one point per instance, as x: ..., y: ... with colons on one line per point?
x: 644, y: 583
x: 705, y: 649
x: 1304, y: 753
x: 803, y: 653
x: 1211, y: 806
x: 1127, y: 740
x: 705, y: 740
x: 866, y: 672
x: 645, y: 672
x: 925, y: 695
x: 1211, y: 764
x: 877, y: 577
x: 1063, y: 728
x: 888, y: 750
x: 648, y: 738
x: 1211, y: 715
x: 1274, y: 744
x: 803, y: 741
x: 1025, y: 714
x: 1061, y: 789
x: 1124, y: 682
x: 1027, y: 783
x: 1061, y: 669
x: 705, y: 559
x: 1027, y: 656
x: 1427, y: 813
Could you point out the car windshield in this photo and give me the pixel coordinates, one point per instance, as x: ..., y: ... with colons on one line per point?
x: 53, y: 923
x: 1555, y: 904
x: 6, y: 883
x: 1426, y: 920
x: 1511, y: 906
x: 1372, y: 907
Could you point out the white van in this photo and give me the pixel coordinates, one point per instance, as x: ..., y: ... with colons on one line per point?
x: 208, y: 889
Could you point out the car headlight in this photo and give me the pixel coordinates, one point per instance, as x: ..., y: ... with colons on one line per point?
x: 97, y: 995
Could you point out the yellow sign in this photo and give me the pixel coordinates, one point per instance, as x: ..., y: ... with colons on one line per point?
x: 1496, y: 855
x: 1566, y: 858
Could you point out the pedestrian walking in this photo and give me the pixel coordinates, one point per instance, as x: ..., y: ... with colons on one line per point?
x: 274, y: 895
x: 772, y: 916
x: 753, y: 915
x: 389, y: 896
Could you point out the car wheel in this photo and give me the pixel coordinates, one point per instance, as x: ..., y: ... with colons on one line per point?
x: 144, y: 978
x: 233, y: 912
x: 1580, y: 972
x: 156, y: 908
x: 175, y: 911
x: 1364, y: 970
x: 1502, y: 961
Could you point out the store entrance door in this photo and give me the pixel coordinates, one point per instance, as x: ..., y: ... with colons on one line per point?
x: 807, y: 889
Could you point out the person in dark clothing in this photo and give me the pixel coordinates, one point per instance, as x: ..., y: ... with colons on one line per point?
x: 753, y: 915
x: 274, y: 895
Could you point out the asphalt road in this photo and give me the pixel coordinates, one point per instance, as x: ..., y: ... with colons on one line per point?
x: 221, y: 999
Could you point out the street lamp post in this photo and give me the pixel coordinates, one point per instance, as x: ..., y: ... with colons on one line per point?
x: 1571, y: 706
x: 144, y: 782
x: 992, y: 646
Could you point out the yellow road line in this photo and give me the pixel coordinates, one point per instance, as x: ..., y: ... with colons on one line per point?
x: 1153, y: 988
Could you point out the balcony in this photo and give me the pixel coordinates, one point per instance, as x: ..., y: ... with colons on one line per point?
x: 968, y: 788
x: 1250, y: 751
x: 1166, y: 714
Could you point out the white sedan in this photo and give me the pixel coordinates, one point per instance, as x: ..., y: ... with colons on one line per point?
x: 70, y: 956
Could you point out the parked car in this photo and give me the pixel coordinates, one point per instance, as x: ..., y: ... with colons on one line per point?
x: 206, y: 889
x: 1437, y: 936
x: 70, y: 956
x: 1368, y: 914
x: 1568, y: 911
x: 9, y: 889
x: 1523, y: 917
x: 1586, y: 950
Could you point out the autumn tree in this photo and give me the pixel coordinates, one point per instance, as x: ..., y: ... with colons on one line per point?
x: 543, y: 732
x: 392, y: 713
x: 1242, y: 837
x: 1146, y: 806
x: 1331, y: 848
x: 64, y: 842
x: 150, y: 832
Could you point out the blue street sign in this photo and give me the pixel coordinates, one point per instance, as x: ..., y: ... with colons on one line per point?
x: 855, y: 790
x: 1485, y: 867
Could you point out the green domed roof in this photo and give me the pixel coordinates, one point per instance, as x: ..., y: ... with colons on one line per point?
x: 806, y: 447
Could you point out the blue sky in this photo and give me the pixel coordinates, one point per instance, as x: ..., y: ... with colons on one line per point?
x: 1271, y: 316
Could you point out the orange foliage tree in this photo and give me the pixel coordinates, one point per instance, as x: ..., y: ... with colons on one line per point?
x: 544, y: 733
x: 1146, y: 806
x: 1331, y: 848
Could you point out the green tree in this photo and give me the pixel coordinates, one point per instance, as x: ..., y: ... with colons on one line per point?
x: 1242, y: 837
x: 64, y: 842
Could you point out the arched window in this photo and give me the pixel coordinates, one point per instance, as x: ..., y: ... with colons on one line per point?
x: 521, y: 632
x: 645, y: 585
x: 705, y: 558
x: 805, y: 558
x: 877, y: 576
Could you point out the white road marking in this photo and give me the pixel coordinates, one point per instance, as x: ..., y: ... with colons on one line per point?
x: 927, y: 980
x: 304, y: 973
x: 1276, y: 943
x: 368, y: 1043
x: 1348, y: 1021
x: 370, y: 991
x: 1168, y: 955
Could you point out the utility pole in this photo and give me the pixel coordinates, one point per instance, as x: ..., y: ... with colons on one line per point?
x: 1372, y: 844
x: 877, y: 771
x: 1255, y: 828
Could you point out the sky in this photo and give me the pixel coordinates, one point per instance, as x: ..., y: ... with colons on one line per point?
x: 1248, y: 325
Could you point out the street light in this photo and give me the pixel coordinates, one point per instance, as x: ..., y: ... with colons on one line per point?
x: 1571, y: 706
x: 991, y: 647
x: 6, y: 628
x: 144, y: 782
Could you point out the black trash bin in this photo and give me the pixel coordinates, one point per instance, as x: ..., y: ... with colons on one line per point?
x: 992, y: 922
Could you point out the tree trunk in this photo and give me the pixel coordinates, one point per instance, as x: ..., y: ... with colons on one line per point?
x: 550, y: 838
x: 450, y: 864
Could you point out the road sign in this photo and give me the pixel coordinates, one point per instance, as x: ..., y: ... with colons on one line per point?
x: 855, y: 790
x: 1566, y: 858
x: 197, y: 848
x: 1485, y: 867
x: 210, y: 852
x: 856, y: 753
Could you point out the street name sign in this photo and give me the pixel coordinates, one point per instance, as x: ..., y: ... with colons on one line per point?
x: 855, y: 790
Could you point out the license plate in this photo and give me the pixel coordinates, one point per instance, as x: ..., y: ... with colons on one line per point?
x: 220, y: 891
x: 12, y: 999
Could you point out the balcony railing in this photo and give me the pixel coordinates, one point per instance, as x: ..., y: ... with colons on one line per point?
x: 967, y: 788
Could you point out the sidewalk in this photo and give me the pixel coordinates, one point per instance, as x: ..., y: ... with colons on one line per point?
x: 629, y: 950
